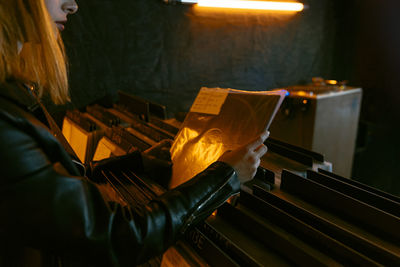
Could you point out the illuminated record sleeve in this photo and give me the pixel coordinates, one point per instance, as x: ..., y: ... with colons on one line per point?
x: 217, y: 124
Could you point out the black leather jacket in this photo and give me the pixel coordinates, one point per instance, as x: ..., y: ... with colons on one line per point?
x: 49, y: 213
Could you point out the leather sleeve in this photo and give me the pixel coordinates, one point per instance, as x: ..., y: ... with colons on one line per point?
x: 43, y: 207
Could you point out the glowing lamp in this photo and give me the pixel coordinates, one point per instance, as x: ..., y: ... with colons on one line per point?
x: 238, y: 4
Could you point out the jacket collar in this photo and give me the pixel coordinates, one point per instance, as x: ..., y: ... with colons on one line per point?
x: 18, y: 93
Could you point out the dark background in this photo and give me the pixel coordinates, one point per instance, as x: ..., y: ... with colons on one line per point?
x: 166, y: 53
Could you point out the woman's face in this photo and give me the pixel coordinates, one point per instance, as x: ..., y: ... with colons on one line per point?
x: 60, y: 9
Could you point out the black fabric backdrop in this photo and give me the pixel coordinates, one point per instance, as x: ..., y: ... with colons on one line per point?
x: 167, y: 53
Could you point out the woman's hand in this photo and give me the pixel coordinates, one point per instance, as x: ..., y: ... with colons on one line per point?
x: 246, y: 159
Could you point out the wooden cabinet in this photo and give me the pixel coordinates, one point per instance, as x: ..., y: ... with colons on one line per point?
x: 323, y: 119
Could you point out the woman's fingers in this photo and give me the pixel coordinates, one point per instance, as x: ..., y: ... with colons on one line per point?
x: 260, y: 151
x: 246, y: 159
x: 258, y: 141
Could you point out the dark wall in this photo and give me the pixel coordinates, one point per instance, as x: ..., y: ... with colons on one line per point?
x: 166, y: 53
x: 377, y: 68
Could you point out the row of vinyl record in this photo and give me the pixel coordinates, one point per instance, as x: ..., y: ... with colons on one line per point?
x: 131, y: 124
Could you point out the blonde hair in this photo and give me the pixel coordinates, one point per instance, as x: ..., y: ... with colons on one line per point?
x: 42, y: 60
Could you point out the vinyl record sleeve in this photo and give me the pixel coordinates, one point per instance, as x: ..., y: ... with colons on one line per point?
x: 220, y: 120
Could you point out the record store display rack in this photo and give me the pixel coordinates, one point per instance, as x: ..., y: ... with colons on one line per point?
x: 295, y: 211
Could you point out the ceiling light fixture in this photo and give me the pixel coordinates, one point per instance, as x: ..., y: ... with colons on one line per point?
x: 256, y: 5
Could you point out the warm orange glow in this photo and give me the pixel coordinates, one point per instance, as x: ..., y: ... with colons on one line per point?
x: 257, y: 5
x: 200, y: 151
x: 331, y: 82
x: 305, y: 101
x: 302, y: 93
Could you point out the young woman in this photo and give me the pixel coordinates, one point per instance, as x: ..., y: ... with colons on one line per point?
x: 50, y: 215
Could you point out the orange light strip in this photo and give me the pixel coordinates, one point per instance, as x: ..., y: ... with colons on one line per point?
x: 259, y: 5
